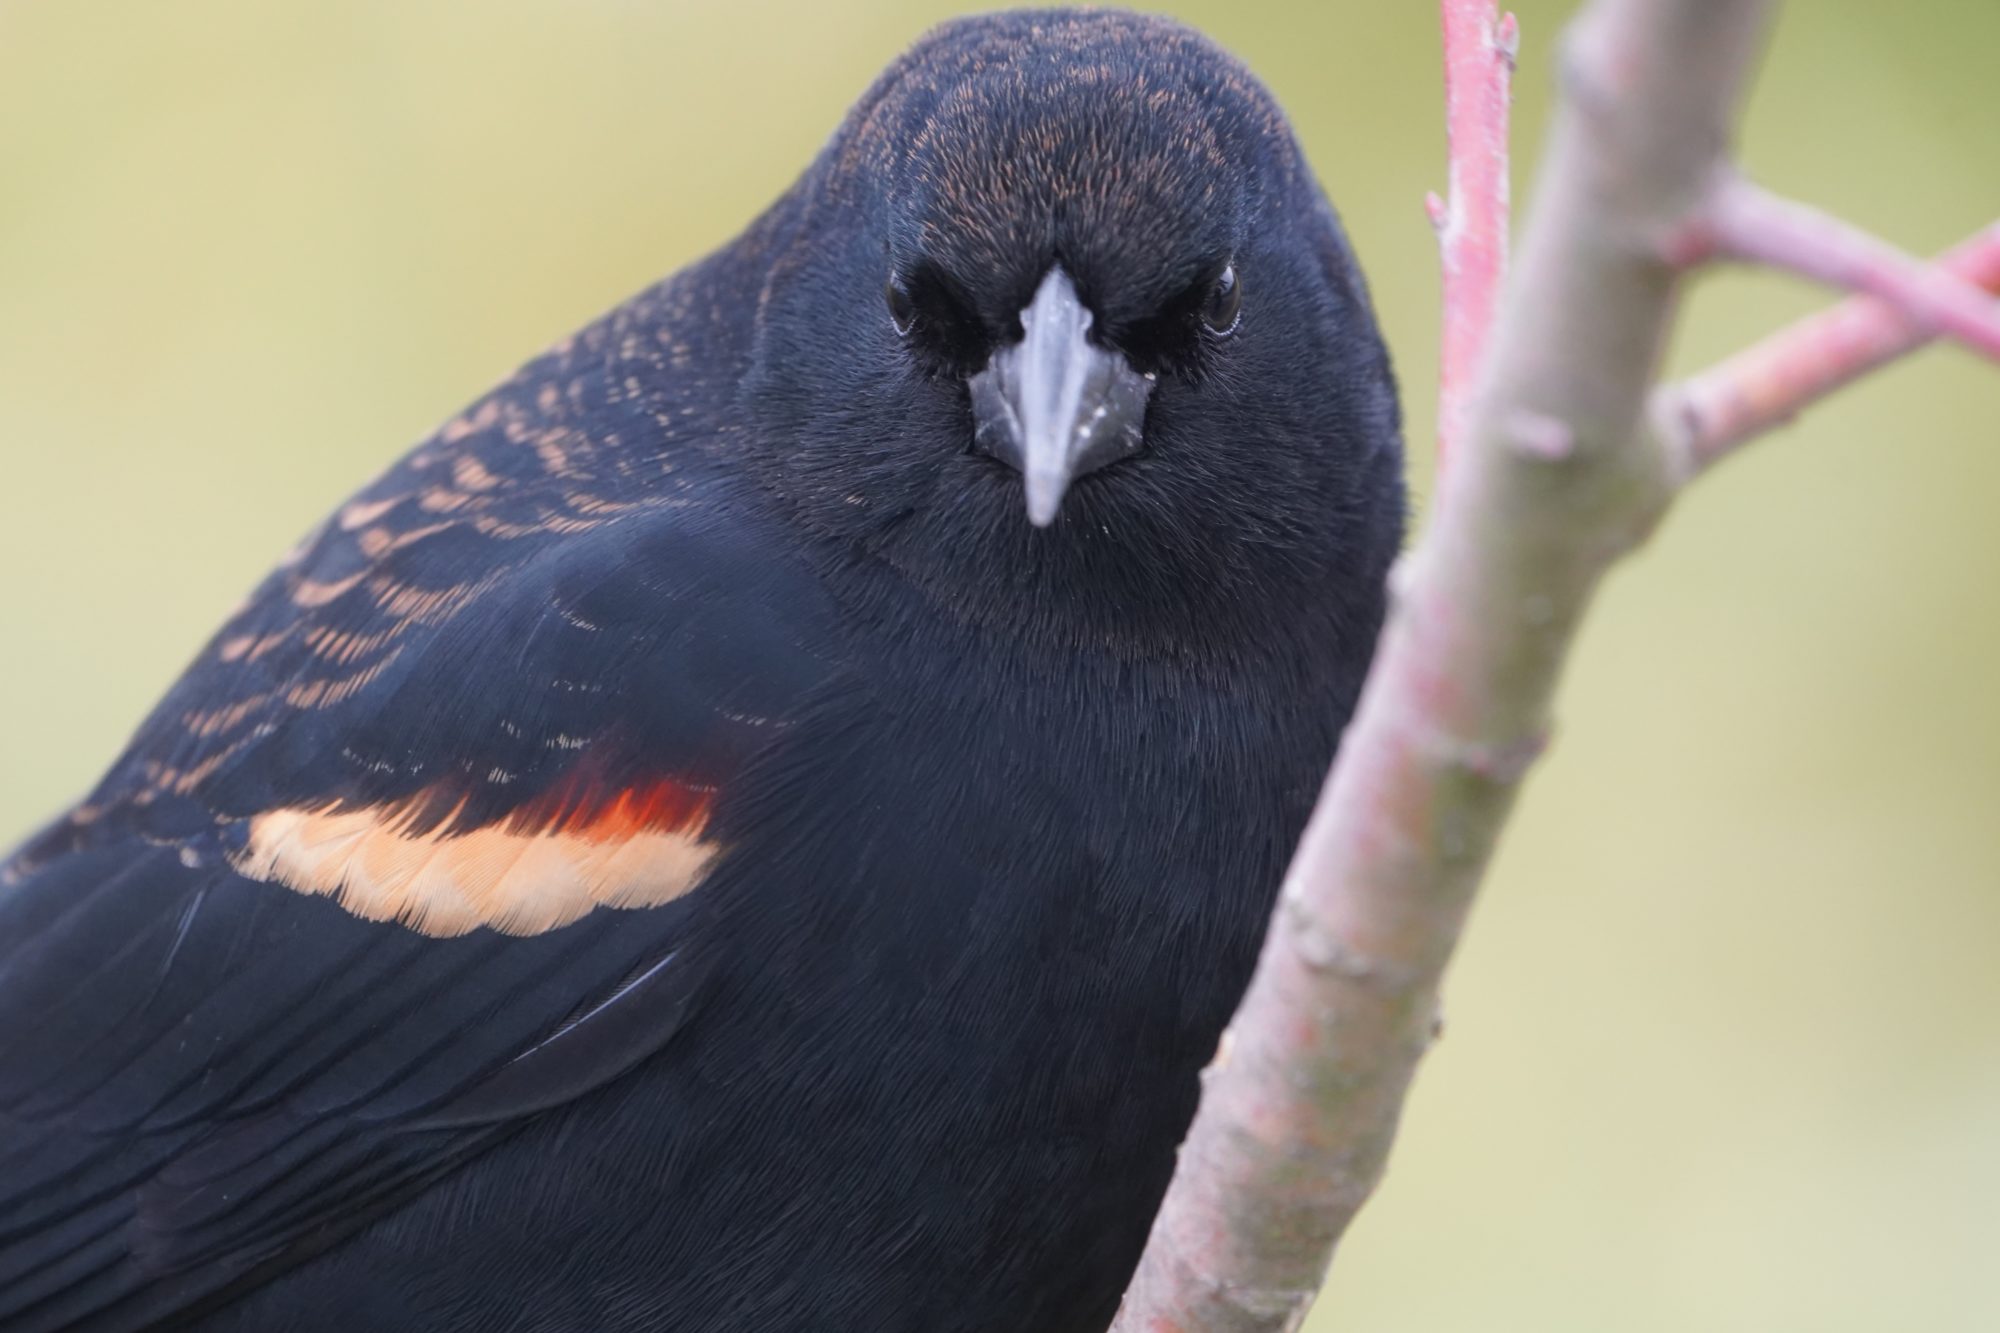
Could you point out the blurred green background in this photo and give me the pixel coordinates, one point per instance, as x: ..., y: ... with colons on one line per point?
x: 1724, y: 1044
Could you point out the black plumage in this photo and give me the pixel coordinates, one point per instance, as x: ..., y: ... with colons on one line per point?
x: 684, y: 850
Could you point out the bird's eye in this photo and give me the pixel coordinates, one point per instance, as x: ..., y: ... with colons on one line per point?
x: 1222, y: 310
x: 902, y: 308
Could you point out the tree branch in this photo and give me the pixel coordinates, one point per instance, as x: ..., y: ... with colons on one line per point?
x: 1553, y: 482
x: 1705, y: 417
x: 1479, y: 51
x: 1554, y: 476
x: 1742, y: 221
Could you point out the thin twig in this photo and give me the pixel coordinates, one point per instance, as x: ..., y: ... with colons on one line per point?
x: 1705, y: 417
x: 1743, y: 221
x: 1480, y: 45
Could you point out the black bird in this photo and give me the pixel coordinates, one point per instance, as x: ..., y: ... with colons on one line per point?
x: 688, y: 848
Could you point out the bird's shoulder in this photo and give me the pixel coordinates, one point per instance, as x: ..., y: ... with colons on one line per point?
x: 410, y: 851
x: 565, y: 600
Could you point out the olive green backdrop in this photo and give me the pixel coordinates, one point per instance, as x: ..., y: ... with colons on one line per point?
x: 1723, y: 1049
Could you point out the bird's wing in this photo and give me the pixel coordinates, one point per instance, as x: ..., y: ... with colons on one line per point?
x: 402, y: 860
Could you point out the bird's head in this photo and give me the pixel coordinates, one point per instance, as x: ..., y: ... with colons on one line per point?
x: 1061, y: 309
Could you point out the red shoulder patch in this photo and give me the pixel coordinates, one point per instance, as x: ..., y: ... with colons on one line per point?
x: 578, y: 847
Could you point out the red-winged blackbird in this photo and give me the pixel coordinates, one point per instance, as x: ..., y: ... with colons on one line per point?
x: 688, y: 849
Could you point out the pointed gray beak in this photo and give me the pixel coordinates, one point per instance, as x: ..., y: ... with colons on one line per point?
x: 1054, y: 405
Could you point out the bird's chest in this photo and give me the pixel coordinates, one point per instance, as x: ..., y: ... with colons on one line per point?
x: 1045, y: 888
x: 1022, y: 910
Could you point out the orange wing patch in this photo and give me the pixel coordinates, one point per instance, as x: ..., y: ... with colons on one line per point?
x: 541, y: 867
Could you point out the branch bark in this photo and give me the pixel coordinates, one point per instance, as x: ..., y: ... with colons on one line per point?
x: 1553, y: 483
x: 1704, y: 418
x: 1479, y: 50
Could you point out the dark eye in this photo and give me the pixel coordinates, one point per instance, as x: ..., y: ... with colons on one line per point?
x: 1223, y: 307
x: 902, y: 307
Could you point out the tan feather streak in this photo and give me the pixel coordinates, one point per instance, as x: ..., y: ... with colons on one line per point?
x: 441, y: 883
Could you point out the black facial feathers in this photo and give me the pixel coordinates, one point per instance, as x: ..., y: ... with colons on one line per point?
x: 1146, y: 163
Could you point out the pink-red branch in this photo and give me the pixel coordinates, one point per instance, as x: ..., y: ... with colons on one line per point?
x: 1705, y: 417
x: 1479, y: 49
x: 1742, y: 221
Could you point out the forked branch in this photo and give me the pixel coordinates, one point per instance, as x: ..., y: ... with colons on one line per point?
x: 1704, y: 418
x: 1553, y: 475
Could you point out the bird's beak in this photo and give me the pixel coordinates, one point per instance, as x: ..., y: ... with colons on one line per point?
x: 1054, y: 405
